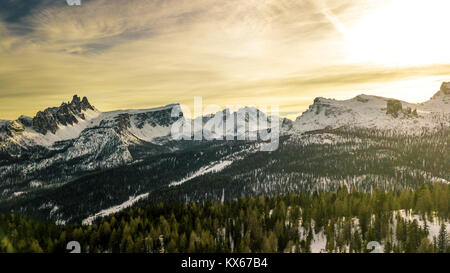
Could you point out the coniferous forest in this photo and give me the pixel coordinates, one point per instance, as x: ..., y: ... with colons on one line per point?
x: 342, y: 221
x: 317, y: 161
x: 224, y: 127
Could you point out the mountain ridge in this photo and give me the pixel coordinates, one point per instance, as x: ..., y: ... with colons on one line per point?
x: 367, y: 111
x: 108, y: 159
x: 79, y: 119
x: 445, y: 89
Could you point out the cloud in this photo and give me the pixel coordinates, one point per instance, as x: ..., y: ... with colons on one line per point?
x: 143, y: 53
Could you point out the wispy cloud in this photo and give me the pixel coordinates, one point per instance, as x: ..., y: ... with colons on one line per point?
x: 143, y: 53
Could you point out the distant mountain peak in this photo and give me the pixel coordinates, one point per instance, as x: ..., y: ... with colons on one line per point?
x: 66, y: 114
x: 443, y: 92
x: 75, y: 99
x: 367, y: 111
x: 445, y: 87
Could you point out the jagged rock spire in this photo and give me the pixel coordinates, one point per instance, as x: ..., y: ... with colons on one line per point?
x: 67, y: 113
x: 76, y: 99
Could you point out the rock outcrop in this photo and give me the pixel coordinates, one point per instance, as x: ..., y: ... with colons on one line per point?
x: 445, y: 88
x: 67, y: 114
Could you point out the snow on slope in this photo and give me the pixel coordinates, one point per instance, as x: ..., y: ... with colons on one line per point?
x: 115, y: 209
x: 112, y: 114
x: 241, y: 121
x: 319, y: 240
x: 152, y: 124
x: 149, y: 133
x: 99, y: 141
x: 143, y: 124
x: 440, y: 103
x: 366, y: 111
x: 30, y: 137
x: 211, y: 168
x: 433, y: 223
x: 215, y: 167
x: 95, y: 118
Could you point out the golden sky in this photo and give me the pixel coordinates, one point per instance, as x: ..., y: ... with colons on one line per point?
x: 141, y: 54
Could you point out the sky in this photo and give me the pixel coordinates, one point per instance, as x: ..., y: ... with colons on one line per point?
x: 125, y: 54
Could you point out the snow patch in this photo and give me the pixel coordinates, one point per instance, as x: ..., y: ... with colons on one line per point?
x: 35, y: 184
x: 217, y: 167
x: 31, y: 137
x: 115, y: 209
x: 149, y: 133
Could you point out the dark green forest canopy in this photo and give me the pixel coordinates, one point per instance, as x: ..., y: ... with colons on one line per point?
x: 257, y: 224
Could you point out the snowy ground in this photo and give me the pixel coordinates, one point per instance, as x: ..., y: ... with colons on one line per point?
x: 215, y: 167
x: 434, y: 224
x: 115, y: 209
x: 318, y: 244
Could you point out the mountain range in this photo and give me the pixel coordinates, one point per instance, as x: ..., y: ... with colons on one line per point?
x: 74, y: 163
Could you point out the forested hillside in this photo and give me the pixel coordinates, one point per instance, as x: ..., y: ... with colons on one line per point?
x: 341, y: 221
x: 317, y: 161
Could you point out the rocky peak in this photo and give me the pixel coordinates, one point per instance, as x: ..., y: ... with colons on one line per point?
x: 15, y: 127
x: 80, y: 104
x: 76, y: 99
x: 445, y: 88
x: 319, y: 100
x: 66, y: 114
x: 85, y: 104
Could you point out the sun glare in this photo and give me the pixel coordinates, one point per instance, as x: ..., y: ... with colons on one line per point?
x: 402, y: 33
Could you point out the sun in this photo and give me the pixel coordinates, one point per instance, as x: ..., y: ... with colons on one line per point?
x: 402, y: 33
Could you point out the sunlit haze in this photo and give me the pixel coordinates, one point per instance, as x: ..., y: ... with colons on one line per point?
x: 142, y: 54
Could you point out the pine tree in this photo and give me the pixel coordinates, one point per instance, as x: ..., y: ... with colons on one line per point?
x: 442, y: 239
x: 425, y: 246
x: 35, y: 247
x: 172, y: 246
x: 192, y: 242
x: 388, y: 247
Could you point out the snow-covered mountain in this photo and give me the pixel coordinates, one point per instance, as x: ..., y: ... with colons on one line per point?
x: 245, y: 122
x: 78, y: 133
x: 73, y: 120
x: 374, y: 112
x: 128, y: 153
x: 65, y: 142
x: 62, y: 143
x: 79, y: 119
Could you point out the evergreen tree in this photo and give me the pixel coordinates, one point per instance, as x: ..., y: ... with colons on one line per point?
x: 425, y: 246
x: 442, y: 239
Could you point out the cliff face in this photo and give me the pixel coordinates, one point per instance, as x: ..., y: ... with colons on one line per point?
x: 445, y: 88
x: 67, y: 114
